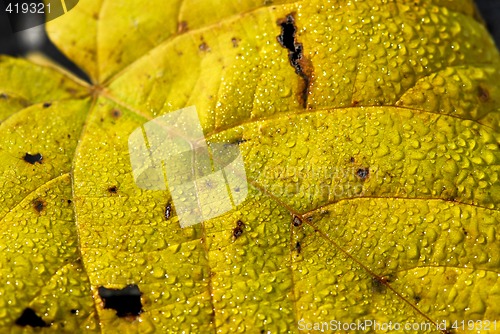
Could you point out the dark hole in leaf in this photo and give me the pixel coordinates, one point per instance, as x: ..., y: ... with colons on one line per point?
x: 235, y: 41
x: 39, y: 204
x: 287, y: 36
x: 69, y: 201
x: 32, y: 159
x: 297, y: 221
x: 417, y: 299
x: 351, y: 159
x: 126, y: 301
x: 288, y: 40
x: 30, y: 318
x: 73, y: 311
x: 47, y: 104
x: 363, y: 173
x: 113, y: 189
x: 298, y: 247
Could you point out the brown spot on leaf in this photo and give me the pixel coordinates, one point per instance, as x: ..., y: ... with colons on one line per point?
x: 483, y: 94
x: 182, y: 27
x: 71, y: 91
x: 4, y: 96
x: 379, y: 284
x: 33, y: 158
x: 30, y: 318
x: 47, y: 104
x: 126, y: 302
x: 238, y: 230
x: 204, y: 47
x: 235, y: 42
x: 115, y: 113
x: 39, y: 204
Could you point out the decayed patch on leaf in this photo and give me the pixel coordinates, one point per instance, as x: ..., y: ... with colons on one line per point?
x: 379, y: 284
x: 303, y: 66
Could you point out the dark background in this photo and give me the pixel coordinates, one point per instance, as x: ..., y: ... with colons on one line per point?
x: 20, y: 43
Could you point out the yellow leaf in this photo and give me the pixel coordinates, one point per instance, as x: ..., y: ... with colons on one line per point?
x: 369, y: 133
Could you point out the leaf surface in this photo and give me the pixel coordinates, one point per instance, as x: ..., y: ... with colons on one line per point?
x: 372, y: 165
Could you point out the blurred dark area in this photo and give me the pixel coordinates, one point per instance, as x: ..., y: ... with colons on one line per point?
x: 24, y: 33
x: 35, y: 39
x: 490, y: 11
